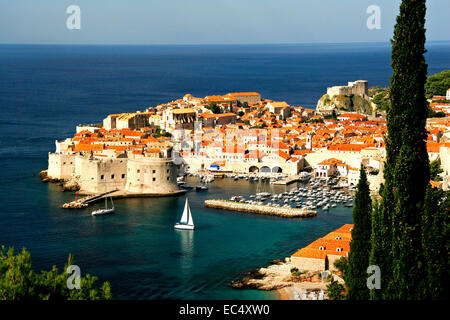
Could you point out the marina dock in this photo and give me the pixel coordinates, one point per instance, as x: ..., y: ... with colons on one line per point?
x: 84, y: 202
x: 116, y: 194
x: 287, y: 181
x: 260, y: 209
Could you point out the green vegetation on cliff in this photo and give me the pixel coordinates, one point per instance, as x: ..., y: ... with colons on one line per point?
x: 380, y: 97
x: 437, y: 84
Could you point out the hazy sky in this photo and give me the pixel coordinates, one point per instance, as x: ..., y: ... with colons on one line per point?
x: 207, y: 21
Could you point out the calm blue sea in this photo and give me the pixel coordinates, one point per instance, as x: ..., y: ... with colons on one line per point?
x: 45, y: 91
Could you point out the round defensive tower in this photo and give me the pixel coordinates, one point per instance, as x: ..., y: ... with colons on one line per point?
x: 151, y: 176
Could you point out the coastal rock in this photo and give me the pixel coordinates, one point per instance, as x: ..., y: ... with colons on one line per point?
x: 344, y: 103
x: 279, y: 276
x: 71, y: 185
x: 43, y: 175
x: 74, y: 205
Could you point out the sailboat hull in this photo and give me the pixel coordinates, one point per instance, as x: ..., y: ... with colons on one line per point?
x: 182, y: 226
x: 102, y: 212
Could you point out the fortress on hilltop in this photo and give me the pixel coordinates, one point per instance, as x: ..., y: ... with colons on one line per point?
x: 359, y: 87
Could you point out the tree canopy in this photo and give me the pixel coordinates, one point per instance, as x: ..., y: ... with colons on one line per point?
x: 435, y: 171
x: 18, y: 281
x: 438, y: 84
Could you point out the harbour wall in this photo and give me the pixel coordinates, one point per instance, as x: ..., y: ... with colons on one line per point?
x: 260, y: 209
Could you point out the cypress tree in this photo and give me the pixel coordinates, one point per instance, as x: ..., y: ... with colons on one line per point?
x: 377, y: 255
x: 435, y: 240
x: 358, y: 257
x: 407, y: 167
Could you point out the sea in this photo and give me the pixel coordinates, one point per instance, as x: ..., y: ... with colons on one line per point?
x: 47, y: 90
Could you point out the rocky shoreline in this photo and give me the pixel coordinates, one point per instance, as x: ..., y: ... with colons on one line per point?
x: 290, y: 286
x: 67, y: 185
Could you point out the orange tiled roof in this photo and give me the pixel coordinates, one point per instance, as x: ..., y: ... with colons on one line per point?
x: 310, y: 253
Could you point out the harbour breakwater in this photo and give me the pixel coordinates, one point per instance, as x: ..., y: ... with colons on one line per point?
x: 260, y: 209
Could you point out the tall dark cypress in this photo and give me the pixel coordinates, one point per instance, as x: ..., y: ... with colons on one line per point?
x: 407, y: 167
x: 358, y: 257
x: 377, y: 253
x: 436, y: 243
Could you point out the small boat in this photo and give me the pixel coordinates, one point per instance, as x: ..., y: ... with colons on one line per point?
x: 186, y: 222
x: 304, y: 176
x: 105, y: 210
x: 201, y: 187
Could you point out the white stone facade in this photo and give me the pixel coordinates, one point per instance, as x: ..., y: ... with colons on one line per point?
x: 359, y: 87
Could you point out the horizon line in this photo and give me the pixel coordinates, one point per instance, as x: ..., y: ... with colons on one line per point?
x: 204, y: 44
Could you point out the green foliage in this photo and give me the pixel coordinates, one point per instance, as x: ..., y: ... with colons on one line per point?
x: 435, y: 171
x: 379, y: 246
x: 296, y: 273
x: 437, y: 84
x: 342, y: 265
x: 434, y: 114
x: 332, y: 116
x: 314, y: 120
x: 397, y: 250
x: 18, y: 281
x: 241, y: 113
x: 358, y: 257
x: 381, y: 99
x: 435, y: 241
x: 159, y: 133
x: 336, y: 291
x: 214, y: 108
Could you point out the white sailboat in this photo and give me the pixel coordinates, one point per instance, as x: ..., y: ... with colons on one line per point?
x: 104, y: 210
x: 186, y: 222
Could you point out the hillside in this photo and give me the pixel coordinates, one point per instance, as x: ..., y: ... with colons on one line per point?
x: 344, y: 103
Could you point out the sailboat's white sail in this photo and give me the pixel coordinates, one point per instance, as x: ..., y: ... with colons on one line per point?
x: 191, y: 221
x: 186, y: 222
x: 186, y: 213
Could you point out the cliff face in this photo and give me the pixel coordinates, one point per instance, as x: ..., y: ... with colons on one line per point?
x: 344, y: 103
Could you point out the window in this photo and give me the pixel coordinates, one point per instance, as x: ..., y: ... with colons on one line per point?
x: 154, y: 171
x: 337, y: 238
x: 167, y: 170
x: 123, y: 175
x: 321, y: 248
x: 138, y: 171
x: 112, y: 176
x: 154, y: 179
x: 167, y: 178
x: 102, y: 177
x: 339, y: 249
